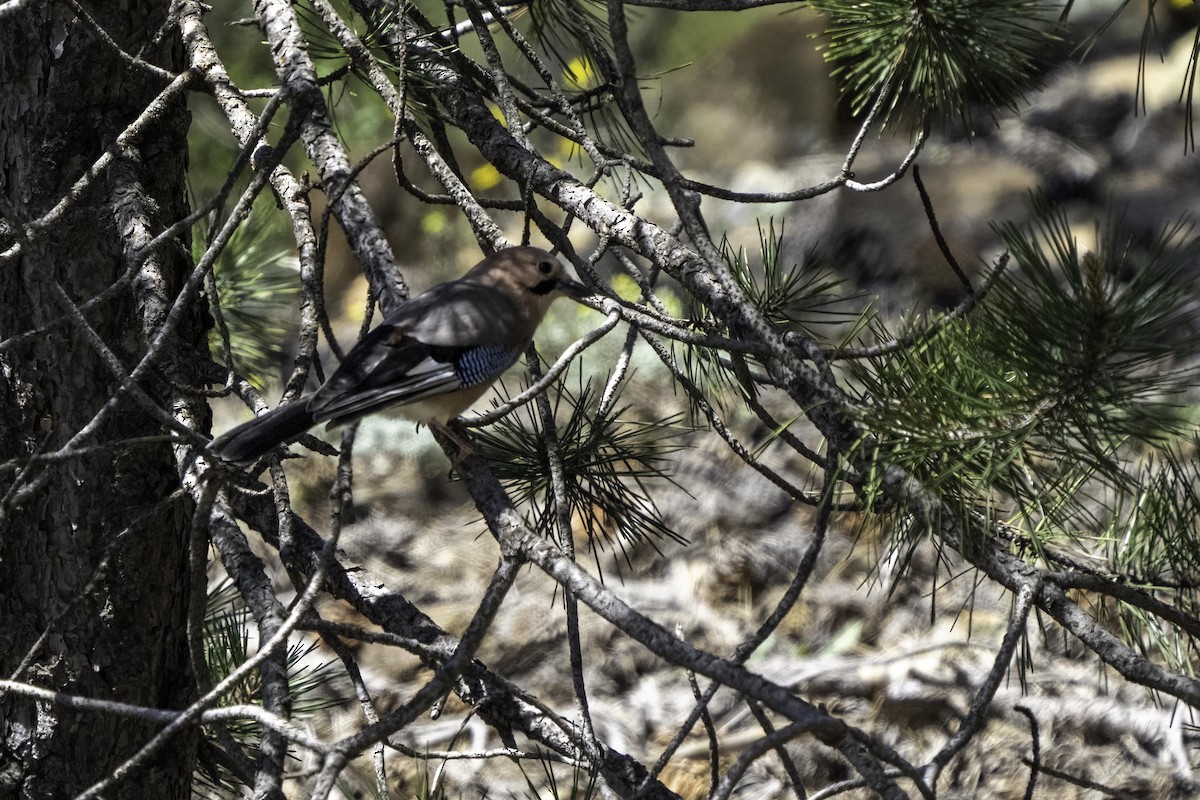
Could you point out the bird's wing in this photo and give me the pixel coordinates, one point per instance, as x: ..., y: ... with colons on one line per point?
x: 430, y: 346
x: 463, y: 313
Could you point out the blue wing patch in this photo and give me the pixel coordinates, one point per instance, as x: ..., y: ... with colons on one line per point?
x: 481, y: 364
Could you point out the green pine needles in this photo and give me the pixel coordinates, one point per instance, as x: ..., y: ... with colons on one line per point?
x: 226, y: 636
x: 805, y: 298
x: 931, y: 60
x: 1154, y: 529
x: 1041, y: 407
x: 608, y: 463
x: 1110, y: 327
x: 257, y: 282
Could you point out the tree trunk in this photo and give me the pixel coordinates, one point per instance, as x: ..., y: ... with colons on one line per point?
x: 93, y: 573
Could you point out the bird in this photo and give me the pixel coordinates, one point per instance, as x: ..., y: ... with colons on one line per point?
x: 432, y: 358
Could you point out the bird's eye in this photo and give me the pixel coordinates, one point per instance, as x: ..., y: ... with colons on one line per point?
x: 545, y: 267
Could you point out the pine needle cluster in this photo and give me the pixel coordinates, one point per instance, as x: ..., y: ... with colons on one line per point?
x: 257, y: 285
x: 227, y: 645
x: 803, y: 297
x: 1043, y: 405
x: 609, y: 465
x: 936, y: 60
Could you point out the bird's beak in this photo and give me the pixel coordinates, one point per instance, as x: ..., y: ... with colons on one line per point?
x: 573, y: 288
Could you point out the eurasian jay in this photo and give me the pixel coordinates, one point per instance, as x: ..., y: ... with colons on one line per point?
x: 434, y: 356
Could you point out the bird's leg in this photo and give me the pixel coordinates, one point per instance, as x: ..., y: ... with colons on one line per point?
x: 463, y: 447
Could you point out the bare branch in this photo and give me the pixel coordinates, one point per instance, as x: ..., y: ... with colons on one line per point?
x: 299, y: 77
x: 977, y: 713
x: 128, y: 58
x: 163, y: 716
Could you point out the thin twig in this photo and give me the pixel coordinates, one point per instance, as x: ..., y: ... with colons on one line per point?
x: 710, y: 730
x: 918, y: 335
x: 128, y: 58
x: 365, y: 702
x: 976, y: 716
x: 905, y: 163
x: 166, y: 716
x: 562, y: 520
x: 1078, y: 780
x: 785, y: 760
x: 786, y: 602
x: 752, y: 753
x: 947, y: 253
x: 541, y: 383
x: 1036, y: 745
x: 714, y: 420
x: 502, y: 580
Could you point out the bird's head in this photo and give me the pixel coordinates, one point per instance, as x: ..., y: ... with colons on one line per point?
x: 530, y: 274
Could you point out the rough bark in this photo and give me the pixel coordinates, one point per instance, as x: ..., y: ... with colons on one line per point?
x: 92, y: 549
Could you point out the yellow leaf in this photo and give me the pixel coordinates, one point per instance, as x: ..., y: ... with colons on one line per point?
x: 626, y: 288
x: 485, y: 176
x: 433, y: 223
x: 580, y: 74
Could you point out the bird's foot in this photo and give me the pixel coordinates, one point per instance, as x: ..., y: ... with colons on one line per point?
x: 457, y: 438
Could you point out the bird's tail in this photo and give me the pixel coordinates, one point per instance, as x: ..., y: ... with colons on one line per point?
x: 252, y: 439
